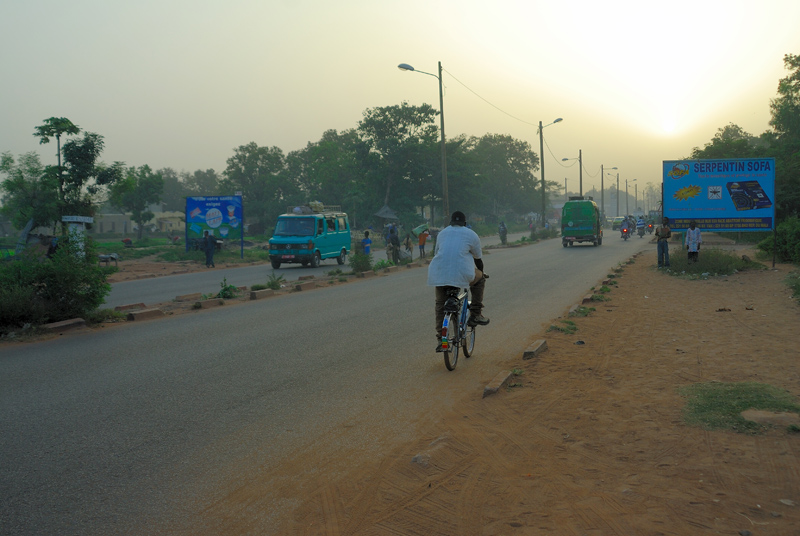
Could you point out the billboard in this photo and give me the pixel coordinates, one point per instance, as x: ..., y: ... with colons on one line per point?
x: 221, y: 216
x: 736, y: 194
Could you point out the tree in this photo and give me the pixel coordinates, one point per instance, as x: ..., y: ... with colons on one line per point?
x: 136, y: 192
x: 505, y: 166
x: 202, y: 183
x: 259, y: 173
x: 55, y: 127
x: 330, y: 170
x: 785, y: 121
x: 397, y: 137
x: 785, y: 108
x: 28, y: 192
x: 175, y: 190
x: 730, y: 141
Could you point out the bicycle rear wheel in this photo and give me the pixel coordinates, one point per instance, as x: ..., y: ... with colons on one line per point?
x: 450, y: 341
x: 468, y: 342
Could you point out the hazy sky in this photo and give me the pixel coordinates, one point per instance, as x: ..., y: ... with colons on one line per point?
x: 181, y: 83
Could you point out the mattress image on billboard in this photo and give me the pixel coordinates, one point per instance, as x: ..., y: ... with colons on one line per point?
x: 748, y: 195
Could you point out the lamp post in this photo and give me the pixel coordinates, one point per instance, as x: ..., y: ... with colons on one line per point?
x: 617, y: 194
x: 580, y: 170
x: 627, y: 197
x: 541, y: 155
x: 635, y: 195
x: 603, y: 191
x: 565, y: 189
x: 445, y: 196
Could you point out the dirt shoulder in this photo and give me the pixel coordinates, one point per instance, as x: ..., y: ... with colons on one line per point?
x: 590, y: 440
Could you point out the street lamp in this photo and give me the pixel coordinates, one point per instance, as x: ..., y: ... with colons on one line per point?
x: 565, y: 190
x: 617, y: 193
x: 603, y: 191
x: 445, y: 196
x: 541, y: 153
x: 580, y: 170
x: 627, y: 197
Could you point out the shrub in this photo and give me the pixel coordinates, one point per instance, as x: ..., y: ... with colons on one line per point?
x: 361, y: 262
x: 36, y: 290
x: 787, y: 241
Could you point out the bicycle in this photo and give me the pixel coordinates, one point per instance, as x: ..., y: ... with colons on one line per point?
x: 456, y: 331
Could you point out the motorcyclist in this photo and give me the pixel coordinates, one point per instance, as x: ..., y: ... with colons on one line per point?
x: 503, y: 231
x: 640, y: 226
x: 457, y: 263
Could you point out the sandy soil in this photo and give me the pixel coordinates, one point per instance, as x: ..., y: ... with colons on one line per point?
x: 590, y: 438
x: 591, y: 441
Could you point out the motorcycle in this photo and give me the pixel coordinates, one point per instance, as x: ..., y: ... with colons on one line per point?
x: 649, y: 228
x: 640, y: 230
x: 503, y: 232
x: 625, y: 232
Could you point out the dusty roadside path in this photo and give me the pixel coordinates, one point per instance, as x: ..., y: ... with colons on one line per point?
x: 591, y: 441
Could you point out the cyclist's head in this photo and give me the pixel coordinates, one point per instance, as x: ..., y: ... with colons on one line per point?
x: 458, y: 218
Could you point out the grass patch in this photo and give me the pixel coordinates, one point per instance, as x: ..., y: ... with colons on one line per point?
x: 718, y: 406
x: 275, y: 282
x: 569, y: 327
x: 600, y: 297
x: 604, y: 289
x: 583, y: 311
x: 712, y: 262
x: 99, y: 316
x: 793, y: 281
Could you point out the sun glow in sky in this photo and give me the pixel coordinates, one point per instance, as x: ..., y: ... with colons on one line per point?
x: 180, y: 83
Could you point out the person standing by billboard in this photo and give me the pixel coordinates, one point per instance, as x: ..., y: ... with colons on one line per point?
x: 663, y: 234
x: 693, y: 241
x: 209, y: 244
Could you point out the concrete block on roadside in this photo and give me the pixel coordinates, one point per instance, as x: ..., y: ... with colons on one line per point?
x: 189, y: 297
x: 129, y: 307
x: 258, y: 294
x: 65, y: 325
x: 369, y: 273
x: 499, y: 381
x: 390, y: 269
x: 587, y: 299
x: 574, y: 309
x: 144, y: 314
x: 305, y: 277
x: 535, y: 349
x: 309, y: 285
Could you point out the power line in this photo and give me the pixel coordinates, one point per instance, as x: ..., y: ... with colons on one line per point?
x: 489, y: 103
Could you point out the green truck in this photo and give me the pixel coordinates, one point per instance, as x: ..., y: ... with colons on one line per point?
x: 580, y: 222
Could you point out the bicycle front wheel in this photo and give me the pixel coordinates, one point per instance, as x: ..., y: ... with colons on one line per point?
x: 450, y: 341
x: 468, y: 342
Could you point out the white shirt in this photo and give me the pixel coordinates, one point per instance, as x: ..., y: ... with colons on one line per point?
x: 453, y: 263
x: 693, y: 238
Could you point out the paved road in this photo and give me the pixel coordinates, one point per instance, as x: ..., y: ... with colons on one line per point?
x: 164, y: 289
x: 140, y: 428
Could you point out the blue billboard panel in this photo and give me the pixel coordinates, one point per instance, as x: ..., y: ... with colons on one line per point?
x: 737, y: 194
x: 221, y: 216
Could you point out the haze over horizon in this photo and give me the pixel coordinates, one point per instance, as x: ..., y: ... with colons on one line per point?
x: 181, y: 84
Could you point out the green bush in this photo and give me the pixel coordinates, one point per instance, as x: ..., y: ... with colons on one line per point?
x: 712, y: 262
x: 360, y: 262
x: 37, y: 290
x: 787, y: 241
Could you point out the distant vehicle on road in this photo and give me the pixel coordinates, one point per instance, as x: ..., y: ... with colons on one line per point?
x: 616, y: 222
x: 580, y: 222
x: 308, y: 234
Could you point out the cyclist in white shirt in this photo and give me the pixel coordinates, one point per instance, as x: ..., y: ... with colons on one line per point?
x: 457, y: 263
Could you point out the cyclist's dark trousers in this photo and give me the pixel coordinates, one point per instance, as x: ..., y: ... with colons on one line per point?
x: 476, y: 299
